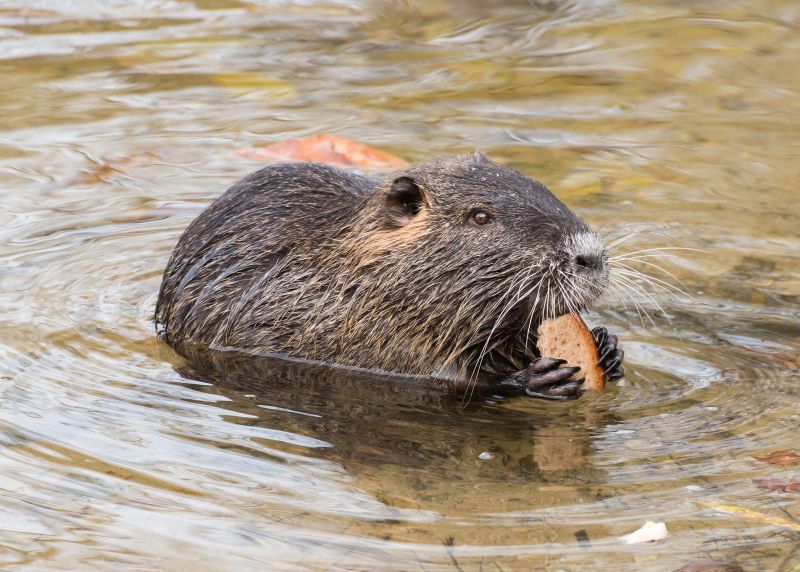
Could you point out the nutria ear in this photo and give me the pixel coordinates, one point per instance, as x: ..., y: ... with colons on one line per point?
x: 404, y: 200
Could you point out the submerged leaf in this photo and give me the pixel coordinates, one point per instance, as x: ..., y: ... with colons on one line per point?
x: 710, y: 566
x: 115, y: 167
x: 754, y: 515
x: 777, y: 485
x: 322, y: 148
x: 248, y: 83
x: 780, y: 458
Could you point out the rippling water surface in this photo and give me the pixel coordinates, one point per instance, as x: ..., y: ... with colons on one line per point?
x: 119, y: 122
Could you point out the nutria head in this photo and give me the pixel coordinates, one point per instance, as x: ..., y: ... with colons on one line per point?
x: 447, y: 261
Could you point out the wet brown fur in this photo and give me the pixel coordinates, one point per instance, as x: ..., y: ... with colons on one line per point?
x: 314, y: 262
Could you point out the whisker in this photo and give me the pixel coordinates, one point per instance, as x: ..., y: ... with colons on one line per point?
x: 506, y: 309
x: 532, y: 311
x: 628, y: 289
x: 616, y: 242
x: 657, y: 267
x: 622, y: 209
x: 652, y: 280
x: 663, y: 248
x: 641, y: 256
x: 636, y: 287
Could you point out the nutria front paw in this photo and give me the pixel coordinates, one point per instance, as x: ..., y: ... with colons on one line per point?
x: 610, y: 355
x: 545, y: 378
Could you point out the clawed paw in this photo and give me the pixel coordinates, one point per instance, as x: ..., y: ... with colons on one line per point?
x: 610, y: 355
x: 545, y: 378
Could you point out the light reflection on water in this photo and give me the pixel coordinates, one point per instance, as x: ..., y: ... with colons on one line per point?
x: 116, y: 129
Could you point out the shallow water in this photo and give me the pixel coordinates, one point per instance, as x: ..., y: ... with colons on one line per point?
x: 116, y: 129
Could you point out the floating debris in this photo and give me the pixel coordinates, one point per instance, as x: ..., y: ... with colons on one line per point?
x: 649, y: 532
x: 322, y: 148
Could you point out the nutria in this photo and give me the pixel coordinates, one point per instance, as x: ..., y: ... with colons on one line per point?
x: 442, y: 271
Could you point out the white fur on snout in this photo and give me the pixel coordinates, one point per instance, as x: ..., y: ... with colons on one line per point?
x: 586, y: 244
x: 585, y: 285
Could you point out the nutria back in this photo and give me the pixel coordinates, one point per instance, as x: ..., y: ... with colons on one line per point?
x: 436, y: 270
x: 248, y: 231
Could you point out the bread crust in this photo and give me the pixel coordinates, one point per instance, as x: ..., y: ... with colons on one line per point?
x: 567, y: 337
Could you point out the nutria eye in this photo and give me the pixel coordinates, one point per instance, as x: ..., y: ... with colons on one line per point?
x: 480, y: 217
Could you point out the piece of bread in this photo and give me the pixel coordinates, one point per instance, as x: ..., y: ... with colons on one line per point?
x: 568, y: 338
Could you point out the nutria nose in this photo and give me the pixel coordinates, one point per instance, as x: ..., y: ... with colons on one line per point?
x: 588, y: 262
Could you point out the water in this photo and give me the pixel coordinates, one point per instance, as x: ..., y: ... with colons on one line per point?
x: 116, y: 129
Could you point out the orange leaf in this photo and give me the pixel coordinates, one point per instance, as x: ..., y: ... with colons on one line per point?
x: 780, y: 458
x: 328, y: 149
x: 106, y: 170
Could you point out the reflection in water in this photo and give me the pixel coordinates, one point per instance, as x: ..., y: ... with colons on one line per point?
x: 675, y: 122
x: 408, y: 446
x: 369, y: 420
